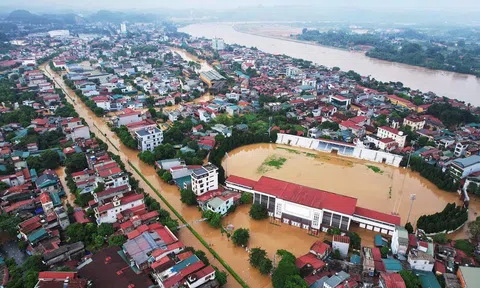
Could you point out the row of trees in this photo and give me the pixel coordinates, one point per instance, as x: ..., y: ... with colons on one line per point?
x: 258, y: 258
x: 433, y: 173
x: 449, y: 219
x: 25, y: 276
x: 125, y: 137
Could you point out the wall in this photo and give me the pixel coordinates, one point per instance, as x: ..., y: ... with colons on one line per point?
x: 359, y: 152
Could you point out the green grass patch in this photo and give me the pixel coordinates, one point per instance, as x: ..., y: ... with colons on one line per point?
x: 289, y: 150
x: 311, y: 155
x: 200, y: 238
x: 375, y: 169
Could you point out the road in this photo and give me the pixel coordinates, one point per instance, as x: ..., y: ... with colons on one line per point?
x: 100, y: 128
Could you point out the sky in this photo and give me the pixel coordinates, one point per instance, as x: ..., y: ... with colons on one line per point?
x: 152, y: 5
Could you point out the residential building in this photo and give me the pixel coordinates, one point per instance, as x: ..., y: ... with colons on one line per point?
x: 416, y: 123
x: 342, y: 244
x: 400, y: 241
x: 218, y: 44
x: 273, y: 106
x: 339, y: 101
x: 320, y: 249
x: 461, y: 148
x: 62, y: 217
x: 391, y: 280
x: 388, y: 132
x: 469, y: 276
x: 148, y: 139
x: 107, y: 213
x: 220, y: 204
x: 50, y: 279
x: 420, y: 260
x: 204, y: 179
x: 368, y: 261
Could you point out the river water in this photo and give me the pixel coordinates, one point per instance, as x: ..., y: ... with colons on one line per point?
x: 443, y: 83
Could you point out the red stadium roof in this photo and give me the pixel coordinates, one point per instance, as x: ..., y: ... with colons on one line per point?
x: 392, y: 219
x: 306, y: 196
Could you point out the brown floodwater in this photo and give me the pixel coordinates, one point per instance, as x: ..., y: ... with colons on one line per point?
x: 70, y: 196
x: 458, y: 86
x: 387, y: 191
x: 298, y: 168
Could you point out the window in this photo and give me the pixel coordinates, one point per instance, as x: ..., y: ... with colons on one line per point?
x: 316, y: 217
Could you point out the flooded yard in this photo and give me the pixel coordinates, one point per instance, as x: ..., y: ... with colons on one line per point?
x: 376, y: 186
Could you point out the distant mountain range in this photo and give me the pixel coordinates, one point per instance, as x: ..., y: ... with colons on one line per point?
x: 25, y: 17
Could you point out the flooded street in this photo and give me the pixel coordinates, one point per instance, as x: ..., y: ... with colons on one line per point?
x: 70, y: 196
x: 380, y: 191
x: 325, y: 172
x: 459, y: 86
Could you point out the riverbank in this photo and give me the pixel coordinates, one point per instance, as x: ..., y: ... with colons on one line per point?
x: 453, y: 85
x: 265, y: 33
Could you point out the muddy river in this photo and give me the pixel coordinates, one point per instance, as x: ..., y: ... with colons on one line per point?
x: 444, y: 83
x: 325, y: 172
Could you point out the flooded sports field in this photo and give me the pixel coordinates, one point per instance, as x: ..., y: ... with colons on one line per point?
x: 376, y: 186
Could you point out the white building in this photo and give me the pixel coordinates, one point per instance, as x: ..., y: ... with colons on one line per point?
x: 315, y: 209
x: 148, y: 139
x: 204, y: 179
x: 388, y: 132
x: 203, y: 115
x: 400, y: 241
x: 123, y: 28
x: 461, y: 148
x: 218, y: 44
x: 80, y: 132
x: 108, y: 213
x: 420, y: 260
x: 462, y: 167
x: 59, y: 33
x: 128, y: 117
x: 342, y: 244
x: 220, y: 204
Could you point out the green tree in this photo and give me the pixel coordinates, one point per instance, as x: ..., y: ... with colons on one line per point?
x: 116, y: 240
x: 296, y: 282
x: 166, y: 176
x: 75, y: 232
x: 258, y: 212
x: 266, y: 266
x: 147, y: 157
x: 336, y: 255
x: 384, y: 251
x: 355, y: 240
x: 105, y: 229
x: 411, y: 281
x: 409, y: 228
x: 3, y: 186
x: 440, y: 238
x: 241, y: 236
x: 188, y: 197
x: 256, y: 256
x: 474, y: 229
x: 202, y: 256
x: 50, y: 159
x: 221, y: 276
x: 76, y: 162
x: 285, y: 271
x: 246, y: 198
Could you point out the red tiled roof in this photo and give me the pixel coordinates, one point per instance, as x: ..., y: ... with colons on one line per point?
x: 241, y: 181
x: 309, y: 259
x: 320, y: 247
x: 364, y: 212
x: 80, y: 217
x: 57, y: 275
x: 390, y: 129
x: 306, y: 196
x: 393, y: 280
x: 342, y: 239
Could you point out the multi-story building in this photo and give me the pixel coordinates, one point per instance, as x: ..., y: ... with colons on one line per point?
x: 461, y: 148
x: 218, y: 44
x: 400, y: 241
x: 414, y: 122
x: 309, y: 208
x: 388, y: 132
x: 148, y: 138
x: 62, y: 217
x: 420, y: 260
x: 204, y: 179
x: 108, y: 213
x: 462, y: 167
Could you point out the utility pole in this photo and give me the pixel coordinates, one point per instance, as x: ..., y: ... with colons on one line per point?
x: 412, y: 197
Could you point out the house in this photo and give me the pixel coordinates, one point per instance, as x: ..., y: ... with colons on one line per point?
x: 416, y: 123
x: 52, y: 279
x: 388, y: 132
x: 107, y: 213
x: 400, y: 241
x: 129, y: 116
x: 62, y: 217
x: 420, y: 260
x: 320, y: 249
x: 64, y: 253
x: 47, y: 204
x: 468, y: 276
x: 339, y: 101
x: 368, y: 257
x: 391, y: 280
x: 220, y: 204
x: 169, y: 163
x: 79, y: 132
x: 148, y: 139
x: 342, y: 244
x: 232, y: 110
x: 396, y: 100
x: 461, y: 148
x: 204, y: 179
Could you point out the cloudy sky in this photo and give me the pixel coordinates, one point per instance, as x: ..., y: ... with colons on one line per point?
x: 145, y: 5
